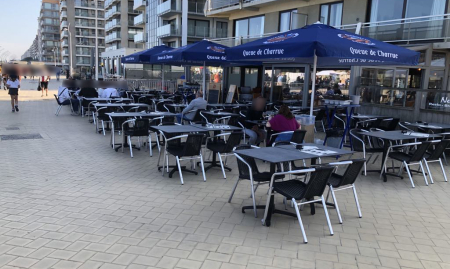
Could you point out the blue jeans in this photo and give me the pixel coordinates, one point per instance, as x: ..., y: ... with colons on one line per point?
x: 181, y: 116
x: 75, y: 104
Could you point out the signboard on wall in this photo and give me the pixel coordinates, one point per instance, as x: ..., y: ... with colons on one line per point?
x: 230, y: 95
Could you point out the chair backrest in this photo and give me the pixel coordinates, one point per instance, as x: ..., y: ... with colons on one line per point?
x: 141, y: 127
x: 352, y: 172
x: 403, y: 126
x: 161, y: 106
x: 57, y: 100
x: 242, y: 167
x: 193, y: 145
x: 318, y: 181
x: 298, y: 136
x: 439, y: 150
x: 320, y: 115
x: 420, y: 151
x: 392, y: 125
x: 197, y: 117
x: 234, y: 139
x: 357, y: 140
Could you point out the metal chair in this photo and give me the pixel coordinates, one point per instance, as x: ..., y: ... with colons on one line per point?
x: 248, y: 170
x: 189, y: 150
x: 359, y: 145
x: 435, y: 156
x: 346, y: 181
x: 302, y: 193
x: 224, y: 148
x: 102, y: 118
x: 298, y: 136
x: 139, y: 128
x: 60, y: 105
x: 407, y: 159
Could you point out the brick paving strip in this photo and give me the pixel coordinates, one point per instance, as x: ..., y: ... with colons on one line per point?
x: 69, y: 201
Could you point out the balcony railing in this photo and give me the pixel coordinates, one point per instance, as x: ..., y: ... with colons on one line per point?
x: 139, y: 38
x: 112, y: 37
x: 198, y: 31
x: 139, y: 5
x: 425, y: 29
x: 63, y: 25
x: 63, y: 5
x: 138, y: 20
x: 167, y: 30
x: 63, y: 14
x: 219, y: 4
x: 112, y: 24
x: 111, y: 12
x: 193, y: 7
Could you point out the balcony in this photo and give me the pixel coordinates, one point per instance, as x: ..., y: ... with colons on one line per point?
x: 410, y: 30
x: 63, y: 25
x: 63, y: 15
x: 416, y: 29
x: 110, y: 2
x: 139, y: 5
x: 138, y: 20
x: 112, y: 37
x: 65, y: 34
x: 64, y: 53
x: 65, y: 43
x: 167, y: 31
x: 85, y: 24
x: 112, y: 12
x: 85, y: 3
x: 112, y: 24
x: 167, y: 8
x: 65, y: 61
x: 198, y: 31
x: 139, y: 38
x: 196, y: 8
x: 114, y: 47
x: 63, y: 5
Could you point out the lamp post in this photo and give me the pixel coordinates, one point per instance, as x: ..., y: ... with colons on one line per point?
x: 54, y: 54
x: 70, y: 50
x: 96, y: 40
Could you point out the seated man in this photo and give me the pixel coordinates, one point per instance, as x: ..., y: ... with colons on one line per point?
x: 109, y: 92
x: 256, y: 134
x: 64, y: 98
x: 189, y: 112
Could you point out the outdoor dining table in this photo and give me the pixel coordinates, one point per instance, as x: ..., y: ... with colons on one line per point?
x: 129, y: 115
x: 219, y: 114
x: 429, y: 125
x: 123, y: 105
x: 228, y: 105
x: 349, y: 109
x: 98, y: 99
x: 390, y: 136
x: 287, y: 153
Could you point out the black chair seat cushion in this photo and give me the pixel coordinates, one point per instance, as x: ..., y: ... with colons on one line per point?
x: 400, y: 156
x: 131, y: 132
x: 290, y: 189
x: 374, y: 150
x: 262, y: 177
x: 218, y: 146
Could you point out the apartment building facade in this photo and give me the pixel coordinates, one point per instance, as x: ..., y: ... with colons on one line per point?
x: 82, y: 25
x: 32, y: 51
x: 48, y: 32
x: 123, y: 22
x: 410, y: 92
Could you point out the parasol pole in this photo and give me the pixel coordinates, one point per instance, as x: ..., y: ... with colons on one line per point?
x: 313, y: 89
x: 162, y: 82
x: 204, y: 80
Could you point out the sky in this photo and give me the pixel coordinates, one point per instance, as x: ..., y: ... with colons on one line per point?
x: 18, y: 19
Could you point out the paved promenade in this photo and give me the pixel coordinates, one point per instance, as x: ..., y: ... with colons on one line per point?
x: 67, y: 200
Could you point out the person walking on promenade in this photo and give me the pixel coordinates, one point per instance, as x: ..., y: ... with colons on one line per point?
x: 44, y: 85
x: 13, y: 85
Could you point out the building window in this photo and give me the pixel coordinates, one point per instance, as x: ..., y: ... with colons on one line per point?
x: 249, y: 27
x: 171, y: 44
x: 331, y: 14
x: 198, y: 28
x: 288, y: 20
x: 221, y: 29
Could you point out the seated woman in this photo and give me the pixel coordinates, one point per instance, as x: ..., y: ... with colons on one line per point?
x: 282, y: 122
